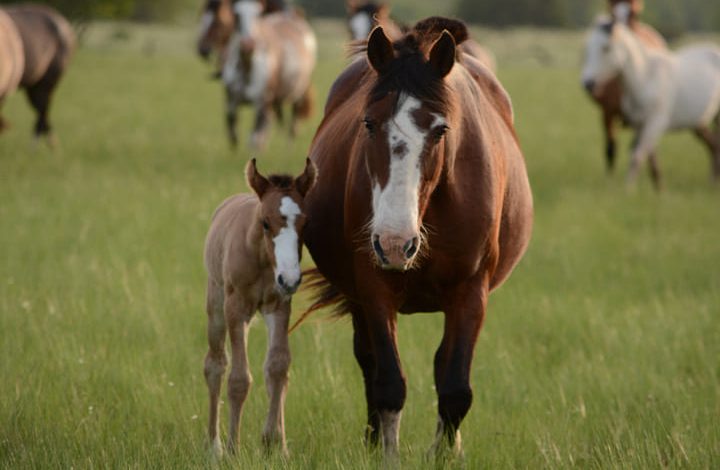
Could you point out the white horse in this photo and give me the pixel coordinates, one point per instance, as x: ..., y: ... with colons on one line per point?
x: 270, y: 61
x: 662, y: 90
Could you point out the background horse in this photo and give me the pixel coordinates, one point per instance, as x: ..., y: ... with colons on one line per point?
x: 252, y: 256
x: 609, y: 96
x: 270, y: 61
x: 48, y: 42
x: 423, y: 204
x: 364, y: 16
x: 661, y: 90
x: 12, y: 59
x: 217, y: 25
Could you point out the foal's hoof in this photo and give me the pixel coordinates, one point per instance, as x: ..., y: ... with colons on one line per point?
x: 216, y: 450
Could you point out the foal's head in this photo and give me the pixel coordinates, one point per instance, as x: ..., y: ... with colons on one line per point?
x: 406, y: 117
x: 216, y: 25
x: 282, y: 218
x: 605, y: 55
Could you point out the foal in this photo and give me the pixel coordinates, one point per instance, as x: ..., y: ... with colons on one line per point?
x: 252, y: 256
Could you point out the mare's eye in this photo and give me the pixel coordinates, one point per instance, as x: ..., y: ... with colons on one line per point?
x: 266, y: 225
x: 439, y: 132
x: 369, y: 125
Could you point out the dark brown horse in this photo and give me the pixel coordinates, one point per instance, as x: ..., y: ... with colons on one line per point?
x: 48, y: 42
x: 610, y: 96
x: 422, y: 205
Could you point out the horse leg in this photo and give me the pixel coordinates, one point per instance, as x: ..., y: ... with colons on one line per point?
x: 643, y: 145
x: 215, y: 361
x: 277, y: 363
x: 231, y: 106
x: 237, y: 317
x: 610, y: 146
x: 362, y: 349
x: 39, y: 96
x: 655, y: 171
x: 712, y: 142
x: 388, y: 383
x: 301, y: 109
x: 262, y: 120
x: 3, y: 123
x: 463, y: 320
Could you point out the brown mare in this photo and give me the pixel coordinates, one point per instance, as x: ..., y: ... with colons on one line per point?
x: 423, y: 205
x: 363, y: 16
x: 47, y: 43
x: 252, y: 256
x: 609, y: 98
x: 270, y: 60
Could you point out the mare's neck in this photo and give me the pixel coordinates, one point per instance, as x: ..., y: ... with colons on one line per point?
x: 634, y: 71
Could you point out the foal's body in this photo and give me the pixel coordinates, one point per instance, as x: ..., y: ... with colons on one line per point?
x: 270, y: 62
x: 48, y: 42
x: 662, y: 91
x: 252, y: 261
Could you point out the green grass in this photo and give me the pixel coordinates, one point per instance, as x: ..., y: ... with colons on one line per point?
x: 601, y: 351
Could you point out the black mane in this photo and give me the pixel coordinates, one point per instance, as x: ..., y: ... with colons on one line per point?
x: 281, y: 181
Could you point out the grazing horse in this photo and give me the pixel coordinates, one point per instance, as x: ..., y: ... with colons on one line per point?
x: 47, y: 43
x: 252, y: 256
x: 423, y: 205
x: 364, y: 16
x: 270, y: 61
x: 662, y: 91
x: 609, y: 97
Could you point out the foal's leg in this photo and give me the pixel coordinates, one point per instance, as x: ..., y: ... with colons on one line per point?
x: 237, y: 316
x: 39, y: 95
x: 215, y: 360
x: 277, y: 363
x: 645, y: 143
x: 463, y: 318
x: 655, y: 171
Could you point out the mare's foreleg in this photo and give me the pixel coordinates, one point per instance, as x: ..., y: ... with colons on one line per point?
x: 262, y: 122
x: 237, y: 317
x: 464, y: 315
x: 362, y: 349
x: 277, y: 363
x: 644, y: 145
x: 215, y: 361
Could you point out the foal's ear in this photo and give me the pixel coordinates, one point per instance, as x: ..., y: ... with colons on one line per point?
x: 379, y: 50
x: 442, y: 54
x: 306, y: 181
x: 255, y: 180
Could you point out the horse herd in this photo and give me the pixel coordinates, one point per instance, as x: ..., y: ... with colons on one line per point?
x: 414, y: 197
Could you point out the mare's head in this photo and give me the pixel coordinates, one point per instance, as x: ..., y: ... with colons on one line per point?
x: 605, y: 54
x: 216, y: 26
x: 363, y: 17
x: 407, y: 114
x: 282, y: 217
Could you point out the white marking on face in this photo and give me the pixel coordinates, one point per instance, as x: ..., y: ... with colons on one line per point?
x: 598, y: 66
x: 287, y: 261
x: 205, y: 22
x: 360, y: 25
x: 395, y: 207
x: 247, y: 11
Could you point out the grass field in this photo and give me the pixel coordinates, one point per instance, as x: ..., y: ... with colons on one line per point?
x: 602, y: 350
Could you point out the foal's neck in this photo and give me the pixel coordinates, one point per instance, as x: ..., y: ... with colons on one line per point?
x: 256, y: 237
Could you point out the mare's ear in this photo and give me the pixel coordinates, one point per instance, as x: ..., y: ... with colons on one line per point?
x: 255, y: 180
x: 442, y: 54
x: 306, y: 181
x: 379, y: 50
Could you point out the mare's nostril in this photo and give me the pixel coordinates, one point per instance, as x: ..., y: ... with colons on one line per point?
x: 378, y: 249
x: 411, y: 247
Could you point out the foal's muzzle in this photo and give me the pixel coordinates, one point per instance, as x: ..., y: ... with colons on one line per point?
x: 288, y: 287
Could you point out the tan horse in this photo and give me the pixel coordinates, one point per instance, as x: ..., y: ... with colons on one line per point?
x: 12, y: 59
x: 252, y: 256
x: 609, y: 97
x: 48, y: 42
x: 270, y: 62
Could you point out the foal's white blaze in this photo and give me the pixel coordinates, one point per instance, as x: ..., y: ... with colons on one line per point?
x: 395, y: 206
x: 360, y: 25
x: 286, y: 244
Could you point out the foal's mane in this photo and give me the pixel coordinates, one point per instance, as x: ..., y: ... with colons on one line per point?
x: 281, y: 181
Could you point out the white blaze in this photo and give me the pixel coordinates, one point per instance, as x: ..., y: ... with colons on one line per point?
x: 360, y: 25
x: 287, y: 262
x: 395, y: 207
x: 248, y: 11
x: 205, y: 23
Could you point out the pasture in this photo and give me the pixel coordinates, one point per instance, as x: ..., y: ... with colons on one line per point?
x: 601, y: 351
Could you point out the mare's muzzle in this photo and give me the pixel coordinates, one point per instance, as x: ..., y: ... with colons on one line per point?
x: 395, y: 252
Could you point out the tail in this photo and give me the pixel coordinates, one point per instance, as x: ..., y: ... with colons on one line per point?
x: 325, y: 295
x: 304, y: 106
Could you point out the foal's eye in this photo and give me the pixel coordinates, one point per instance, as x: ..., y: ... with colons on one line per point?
x: 266, y: 225
x: 369, y: 125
